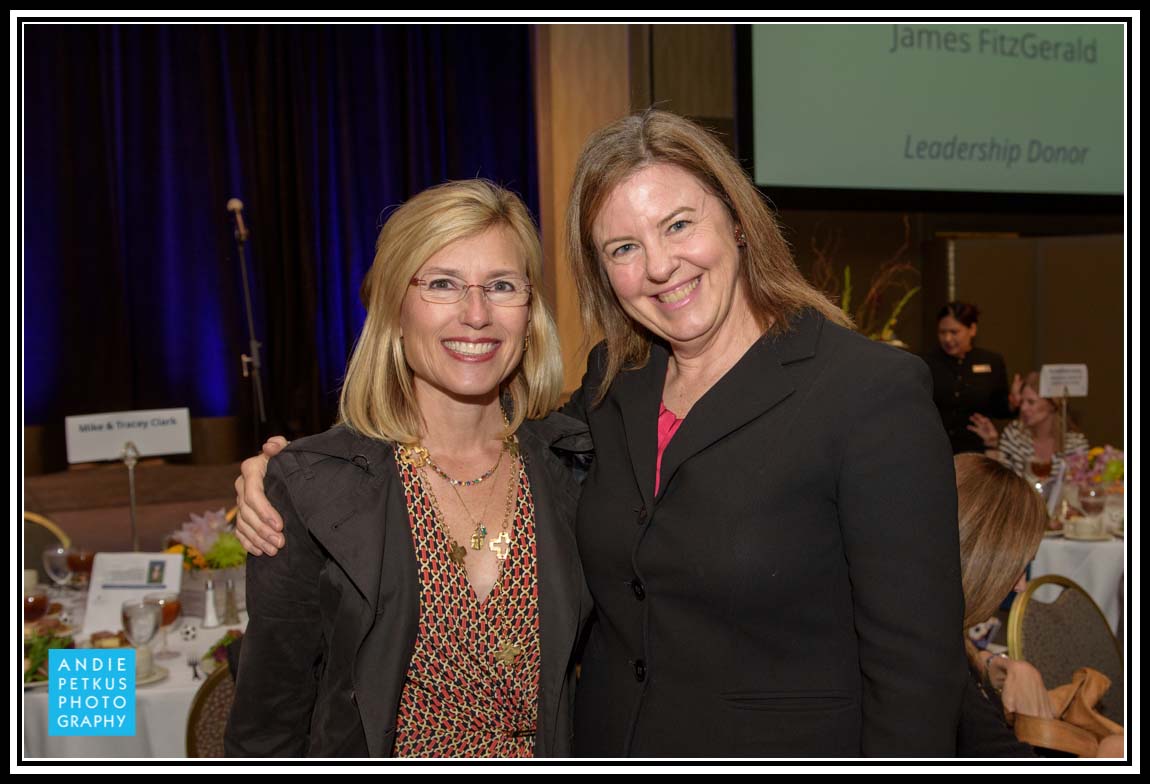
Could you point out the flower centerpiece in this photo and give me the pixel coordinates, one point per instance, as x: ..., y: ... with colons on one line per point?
x: 210, y: 550
x: 1096, y: 476
x: 1101, y: 465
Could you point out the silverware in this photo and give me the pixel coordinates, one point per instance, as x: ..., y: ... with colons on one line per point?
x: 194, y: 663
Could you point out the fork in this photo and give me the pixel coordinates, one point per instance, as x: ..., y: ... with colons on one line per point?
x: 194, y: 663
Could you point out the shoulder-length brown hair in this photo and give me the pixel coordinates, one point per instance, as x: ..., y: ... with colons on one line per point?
x: 378, y: 397
x: 775, y: 287
x: 1001, y: 520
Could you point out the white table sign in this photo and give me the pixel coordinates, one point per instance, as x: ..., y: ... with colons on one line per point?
x: 160, y: 431
x: 1063, y: 381
x: 118, y: 577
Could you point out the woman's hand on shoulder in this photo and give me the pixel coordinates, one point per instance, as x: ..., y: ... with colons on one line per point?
x: 258, y: 524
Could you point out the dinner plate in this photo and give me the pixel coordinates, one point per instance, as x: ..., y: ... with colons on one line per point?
x: 1098, y: 538
x: 1052, y: 534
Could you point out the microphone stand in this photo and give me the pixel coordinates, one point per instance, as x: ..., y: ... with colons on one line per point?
x: 251, y: 360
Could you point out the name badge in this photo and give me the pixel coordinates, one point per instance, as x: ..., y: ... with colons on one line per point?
x: 980, y: 368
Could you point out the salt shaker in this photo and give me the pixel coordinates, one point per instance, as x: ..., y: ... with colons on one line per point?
x: 231, y: 611
x: 211, y: 619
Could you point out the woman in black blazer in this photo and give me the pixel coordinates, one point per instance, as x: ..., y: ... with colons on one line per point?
x: 768, y: 528
x: 769, y: 525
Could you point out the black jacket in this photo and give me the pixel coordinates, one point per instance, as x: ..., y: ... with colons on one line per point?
x: 975, y: 384
x: 794, y: 588
x: 334, y: 616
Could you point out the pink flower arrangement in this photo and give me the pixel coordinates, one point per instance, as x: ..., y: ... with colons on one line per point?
x: 202, y: 531
x: 1100, y: 465
x: 207, y: 542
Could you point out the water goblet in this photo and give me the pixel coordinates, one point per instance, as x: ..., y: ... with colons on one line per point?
x: 55, y: 560
x: 141, y: 621
x: 169, y: 605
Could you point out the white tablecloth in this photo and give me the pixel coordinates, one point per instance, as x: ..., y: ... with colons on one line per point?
x: 1098, y: 567
x: 161, y: 711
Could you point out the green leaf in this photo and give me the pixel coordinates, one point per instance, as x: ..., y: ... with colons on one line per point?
x: 226, y: 552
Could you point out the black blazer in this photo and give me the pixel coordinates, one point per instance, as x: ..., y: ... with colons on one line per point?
x: 794, y: 589
x: 975, y: 384
x: 333, y: 618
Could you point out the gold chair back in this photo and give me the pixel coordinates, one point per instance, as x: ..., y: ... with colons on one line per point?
x: 1060, y: 636
x: 40, y: 532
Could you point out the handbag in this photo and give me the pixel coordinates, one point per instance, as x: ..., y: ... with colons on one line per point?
x: 1078, y: 726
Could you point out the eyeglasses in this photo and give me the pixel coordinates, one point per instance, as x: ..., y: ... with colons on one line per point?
x: 446, y: 290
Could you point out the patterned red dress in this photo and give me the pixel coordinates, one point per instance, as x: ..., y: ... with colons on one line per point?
x: 473, y: 683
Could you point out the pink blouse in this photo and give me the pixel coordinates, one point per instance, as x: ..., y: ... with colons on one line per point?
x: 668, y: 426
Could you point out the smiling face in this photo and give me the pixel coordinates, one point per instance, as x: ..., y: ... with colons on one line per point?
x: 1034, y: 410
x: 669, y: 249
x: 955, y: 338
x: 465, y: 350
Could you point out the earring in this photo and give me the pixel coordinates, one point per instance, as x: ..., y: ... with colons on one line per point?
x: 526, y: 338
x: 740, y: 237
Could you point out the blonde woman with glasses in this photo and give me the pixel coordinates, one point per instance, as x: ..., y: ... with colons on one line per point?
x: 429, y: 598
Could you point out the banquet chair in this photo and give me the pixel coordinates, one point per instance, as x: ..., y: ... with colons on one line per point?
x: 209, y: 714
x: 1060, y: 636
x: 39, y: 533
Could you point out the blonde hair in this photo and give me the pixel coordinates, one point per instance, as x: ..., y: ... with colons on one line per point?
x: 1001, y: 520
x: 776, y: 289
x: 378, y: 395
x: 1033, y: 382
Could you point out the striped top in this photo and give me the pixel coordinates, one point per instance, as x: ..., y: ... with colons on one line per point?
x: 1016, y: 449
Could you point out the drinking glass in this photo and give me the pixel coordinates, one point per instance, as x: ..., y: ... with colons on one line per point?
x: 1041, y: 469
x: 55, y: 559
x: 1115, y: 511
x: 35, y: 603
x: 80, y: 562
x: 141, y: 621
x: 1092, y: 501
x: 169, y: 605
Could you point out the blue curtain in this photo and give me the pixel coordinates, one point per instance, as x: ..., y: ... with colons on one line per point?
x: 135, y: 137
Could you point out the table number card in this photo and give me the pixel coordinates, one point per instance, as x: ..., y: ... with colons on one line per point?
x: 118, y: 577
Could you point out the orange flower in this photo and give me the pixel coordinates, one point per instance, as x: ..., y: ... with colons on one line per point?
x: 193, y: 558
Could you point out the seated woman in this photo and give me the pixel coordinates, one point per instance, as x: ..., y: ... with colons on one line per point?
x: 1032, y: 445
x: 1000, y: 525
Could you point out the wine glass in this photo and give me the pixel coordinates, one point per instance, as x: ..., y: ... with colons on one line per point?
x: 55, y: 559
x: 169, y: 606
x: 141, y: 621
